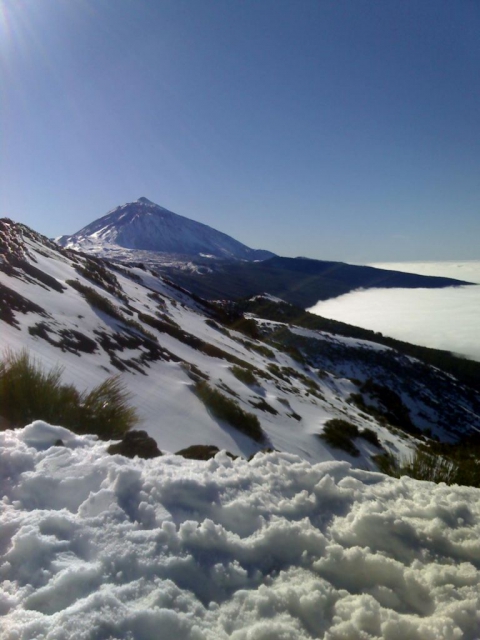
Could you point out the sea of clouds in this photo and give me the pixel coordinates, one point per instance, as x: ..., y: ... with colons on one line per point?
x: 102, y: 547
x: 439, y: 318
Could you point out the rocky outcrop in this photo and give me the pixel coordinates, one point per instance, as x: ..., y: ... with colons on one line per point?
x: 136, y: 443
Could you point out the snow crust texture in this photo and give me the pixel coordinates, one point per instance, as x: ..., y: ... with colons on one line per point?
x: 99, y: 546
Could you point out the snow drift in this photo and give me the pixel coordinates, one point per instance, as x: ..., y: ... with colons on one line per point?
x: 99, y: 546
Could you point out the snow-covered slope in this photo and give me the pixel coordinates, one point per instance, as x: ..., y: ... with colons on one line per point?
x: 144, y: 225
x: 97, y: 320
x: 299, y: 543
x: 99, y: 546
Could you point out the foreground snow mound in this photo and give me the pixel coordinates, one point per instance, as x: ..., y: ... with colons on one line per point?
x: 99, y: 546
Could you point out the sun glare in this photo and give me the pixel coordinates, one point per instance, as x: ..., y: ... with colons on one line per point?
x: 17, y: 33
x: 4, y: 20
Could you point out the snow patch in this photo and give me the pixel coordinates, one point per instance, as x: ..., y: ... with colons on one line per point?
x: 103, y: 546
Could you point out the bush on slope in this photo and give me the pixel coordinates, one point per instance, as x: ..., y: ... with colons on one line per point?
x: 437, y: 462
x: 28, y: 393
x: 340, y: 434
x: 226, y: 409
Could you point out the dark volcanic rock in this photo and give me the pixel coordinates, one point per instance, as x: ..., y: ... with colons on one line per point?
x: 299, y: 281
x: 136, y: 443
x: 202, y: 452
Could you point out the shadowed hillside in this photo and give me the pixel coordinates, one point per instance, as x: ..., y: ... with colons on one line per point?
x: 300, y: 281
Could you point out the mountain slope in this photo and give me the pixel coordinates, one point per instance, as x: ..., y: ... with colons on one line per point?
x: 100, y: 545
x: 215, y: 266
x: 144, y: 225
x: 97, y: 319
x: 300, y: 281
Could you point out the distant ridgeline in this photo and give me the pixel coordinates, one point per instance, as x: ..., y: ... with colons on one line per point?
x: 299, y: 281
x: 249, y: 382
x: 216, y: 266
x: 466, y: 371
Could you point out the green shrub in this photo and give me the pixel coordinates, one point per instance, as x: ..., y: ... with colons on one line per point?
x: 175, y: 331
x: 370, y: 436
x: 218, y: 327
x: 295, y: 415
x: 211, y: 323
x: 95, y: 271
x: 263, y: 405
x: 227, y: 409
x: 244, y: 375
x: 101, y: 303
x: 339, y: 433
x: 422, y: 465
x: 229, y: 390
x: 247, y: 326
x: 106, y: 409
x: 258, y: 348
x: 29, y: 393
x: 193, y: 372
x: 388, y: 406
x: 96, y: 299
x: 428, y: 466
x: 280, y: 372
x: 387, y: 463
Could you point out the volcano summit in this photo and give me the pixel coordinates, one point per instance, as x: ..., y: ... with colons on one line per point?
x: 144, y: 225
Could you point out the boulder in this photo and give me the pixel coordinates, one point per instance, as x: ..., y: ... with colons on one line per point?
x: 136, y: 443
x: 202, y: 452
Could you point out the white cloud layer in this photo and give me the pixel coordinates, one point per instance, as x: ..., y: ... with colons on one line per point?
x: 102, y: 547
x: 439, y: 318
x: 469, y: 271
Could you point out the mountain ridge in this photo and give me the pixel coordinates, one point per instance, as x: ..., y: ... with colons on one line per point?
x: 214, y: 265
x: 299, y: 281
x: 294, y: 537
x: 176, y: 351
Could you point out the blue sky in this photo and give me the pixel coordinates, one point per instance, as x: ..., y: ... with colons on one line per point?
x: 334, y: 129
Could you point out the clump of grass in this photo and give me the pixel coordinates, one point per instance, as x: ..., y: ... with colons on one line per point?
x: 193, y: 372
x: 106, y: 411
x: 28, y: 392
x: 95, y: 271
x: 175, y: 331
x: 283, y: 373
x: 384, y: 404
x: 295, y: 416
x: 95, y: 299
x: 101, y: 303
x: 387, y: 463
x: 259, y: 348
x: 428, y: 466
x: 227, y: 409
x: 218, y: 327
x: 244, y: 375
x: 370, y: 436
x: 247, y: 326
x: 424, y: 465
x: 340, y: 434
x: 264, y: 406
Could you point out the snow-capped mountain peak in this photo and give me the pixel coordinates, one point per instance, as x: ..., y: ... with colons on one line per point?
x: 144, y: 225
